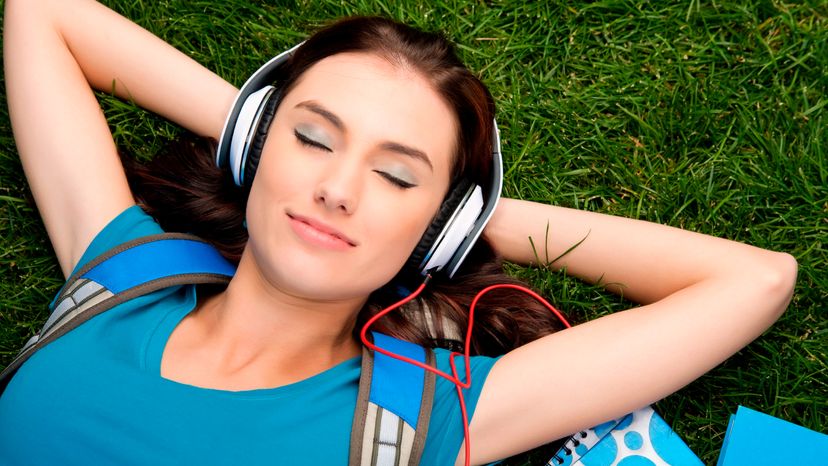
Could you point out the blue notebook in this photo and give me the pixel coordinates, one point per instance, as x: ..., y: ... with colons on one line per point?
x: 754, y: 438
x: 641, y: 438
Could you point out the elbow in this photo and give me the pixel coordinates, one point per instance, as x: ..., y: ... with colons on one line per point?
x: 778, y: 280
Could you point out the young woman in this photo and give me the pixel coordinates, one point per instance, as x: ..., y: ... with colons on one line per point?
x: 369, y: 136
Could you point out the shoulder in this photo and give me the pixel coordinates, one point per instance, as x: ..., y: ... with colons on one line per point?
x: 445, y: 396
x: 480, y: 366
x: 130, y: 224
x: 445, y: 432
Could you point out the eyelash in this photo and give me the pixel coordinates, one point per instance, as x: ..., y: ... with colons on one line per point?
x: 306, y: 141
x: 395, y: 181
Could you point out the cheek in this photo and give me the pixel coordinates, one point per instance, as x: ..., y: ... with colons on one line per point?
x: 399, y: 226
x: 280, y: 175
x: 276, y: 182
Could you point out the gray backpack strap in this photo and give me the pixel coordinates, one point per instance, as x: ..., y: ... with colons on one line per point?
x: 393, y: 406
x: 132, y: 269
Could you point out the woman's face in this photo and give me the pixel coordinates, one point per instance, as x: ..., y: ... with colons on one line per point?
x: 354, y: 167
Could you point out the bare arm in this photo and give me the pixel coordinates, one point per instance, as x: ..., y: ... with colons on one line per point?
x: 644, y: 261
x: 54, y: 50
x: 708, y: 297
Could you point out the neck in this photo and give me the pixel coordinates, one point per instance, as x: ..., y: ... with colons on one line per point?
x: 255, y: 334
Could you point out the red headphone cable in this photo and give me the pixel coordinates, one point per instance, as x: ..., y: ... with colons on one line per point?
x: 454, y: 378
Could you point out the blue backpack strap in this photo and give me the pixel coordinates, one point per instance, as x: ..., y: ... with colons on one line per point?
x: 127, y: 271
x: 393, y: 406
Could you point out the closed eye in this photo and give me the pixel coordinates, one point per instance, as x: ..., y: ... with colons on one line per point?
x: 394, y: 180
x: 306, y: 141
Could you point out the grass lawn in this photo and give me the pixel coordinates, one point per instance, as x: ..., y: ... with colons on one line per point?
x: 705, y: 116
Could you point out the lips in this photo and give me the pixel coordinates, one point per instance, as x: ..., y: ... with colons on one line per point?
x: 319, y: 233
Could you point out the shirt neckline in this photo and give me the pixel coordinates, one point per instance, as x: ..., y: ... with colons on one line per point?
x: 160, y: 335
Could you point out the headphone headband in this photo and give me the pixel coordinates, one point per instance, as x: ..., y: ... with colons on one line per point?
x: 453, y: 232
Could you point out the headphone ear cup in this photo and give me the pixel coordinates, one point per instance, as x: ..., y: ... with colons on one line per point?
x: 257, y: 142
x: 447, y: 210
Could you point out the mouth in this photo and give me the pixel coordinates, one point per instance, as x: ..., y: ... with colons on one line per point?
x: 319, y: 233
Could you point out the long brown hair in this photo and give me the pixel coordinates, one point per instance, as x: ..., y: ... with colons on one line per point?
x: 184, y: 191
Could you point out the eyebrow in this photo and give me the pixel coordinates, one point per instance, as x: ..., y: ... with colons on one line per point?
x: 409, y: 151
x: 388, y: 145
x: 323, y: 112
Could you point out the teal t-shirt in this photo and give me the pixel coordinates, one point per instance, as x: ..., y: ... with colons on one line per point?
x: 96, y: 396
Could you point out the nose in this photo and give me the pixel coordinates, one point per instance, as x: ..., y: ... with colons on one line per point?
x: 339, y: 188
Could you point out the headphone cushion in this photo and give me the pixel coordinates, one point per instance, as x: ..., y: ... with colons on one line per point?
x: 257, y: 143
x: 447, y: 209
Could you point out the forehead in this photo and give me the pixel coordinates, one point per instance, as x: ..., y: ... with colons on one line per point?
x: 378, y: 100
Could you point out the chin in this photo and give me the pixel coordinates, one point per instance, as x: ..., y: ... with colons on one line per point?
x: 323, y: 280
x: 318, y: 274
x: 315, y: 289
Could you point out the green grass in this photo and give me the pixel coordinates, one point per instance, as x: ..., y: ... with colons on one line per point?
x: 706, y: 116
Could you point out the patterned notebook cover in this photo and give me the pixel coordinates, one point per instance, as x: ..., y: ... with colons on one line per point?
x: 641, y: 438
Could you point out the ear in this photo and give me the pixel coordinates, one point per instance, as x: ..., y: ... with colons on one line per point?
x: 447, y: 230
x: 245, y: 114
x: 256, y: 143
x: 245, y: 130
